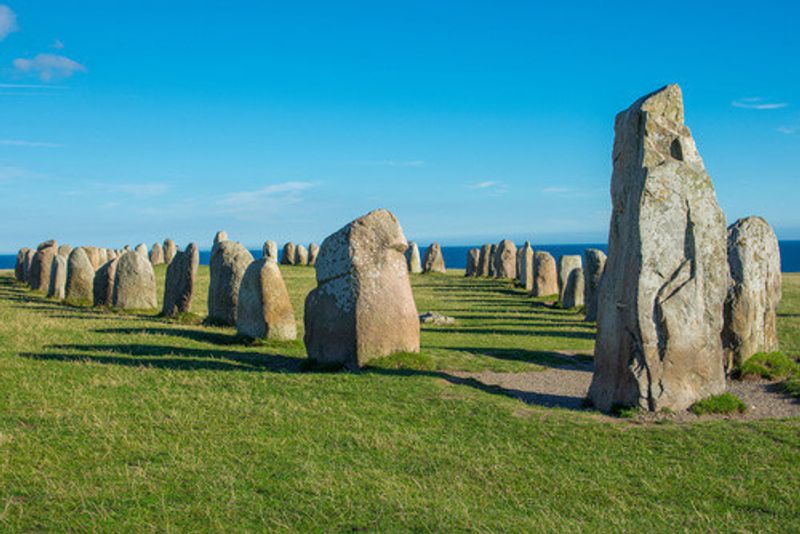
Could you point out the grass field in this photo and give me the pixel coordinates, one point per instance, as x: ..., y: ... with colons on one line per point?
x: 115, y: 422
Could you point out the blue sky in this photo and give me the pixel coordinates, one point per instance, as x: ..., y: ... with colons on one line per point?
x: 126, y: 121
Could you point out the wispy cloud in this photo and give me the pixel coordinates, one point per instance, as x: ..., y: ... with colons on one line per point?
x: 28, y: 144
x: 8, y: 21
x: 394, y: 163
x: 489, y: 186
x: 48, y: 67
x: 757, y: 103
x: 10, y: 173
x: 787, y: 130
x: 57, y: 44
x: 266, y: 200
x: 31, y: 86
x: 142, y: 190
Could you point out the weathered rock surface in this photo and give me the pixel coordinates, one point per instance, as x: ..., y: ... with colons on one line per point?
x: 573, y: 292
x: 270, y: 250
x: 229, y: 261
x: 103, y: 287
x: 660, y: 311
x: 39, y: 273
x: 473, y: 258
x: 21, y: 266
x: 264, y: 308
x: 289, y: 254
x: 134, y: 283
x: 157, y: 254
x: 566, y: 264
x: 434, y: 260
x: 484, y: 260
x: 58, y: 278
x: 80, y: 277
x: 313, y: 254
x: 64, y: 250
x: 594, y: 262
x: 413, y: 258
x: 436, y: 318
x: 362, y: 307
x: 492, y: 260
x: 505, y: 260
x: 545, y: 274
x: 141, y: 248
x: 93, y: 253
x: 220, y: 236
x: 169, y: 250
x: 754, y: 292
x: 525, y: 274
x: 180, y: 282
x: 300, y: 255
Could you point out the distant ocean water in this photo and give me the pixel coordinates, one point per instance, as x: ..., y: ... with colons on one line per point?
x: 456, y: 257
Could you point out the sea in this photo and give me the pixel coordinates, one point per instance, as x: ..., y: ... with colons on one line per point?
x: 456, y: 257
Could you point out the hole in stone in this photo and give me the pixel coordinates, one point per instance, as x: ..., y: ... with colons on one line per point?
x: 676, y: 150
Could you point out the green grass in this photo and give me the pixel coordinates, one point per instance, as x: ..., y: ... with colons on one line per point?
x: 726, y: 403
x: 117, y: 422
x: 770, y: 365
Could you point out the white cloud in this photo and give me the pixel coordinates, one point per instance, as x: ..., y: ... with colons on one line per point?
x: 8, y: 21
x: 30, y: 86
x: 788, y: 130
x: 144, y: 189
x: 482, y: 185
x: 489, y: 186
x: 757, y: 103
x: 48, y: 67
x: 266, y: 199
x: 28, y: 144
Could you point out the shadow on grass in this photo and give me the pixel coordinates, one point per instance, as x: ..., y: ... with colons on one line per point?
x: 545, y: 358
x: 513, y: 332
x: 214, y: 338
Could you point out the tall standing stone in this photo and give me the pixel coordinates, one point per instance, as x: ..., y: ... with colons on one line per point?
x: 220, y: 236
x: 526, y: 267
x: 27, y: 263
x: 594, y: 262
x: 473, y: 257
x: 39, y: 274
x: 413, y: 259
x: 484, y: 260
x: 300, y: 255
x: 751, y: 307
x: 169, y: 250
x: 434, y: 260
x: 180, y: 282
x: 545, y: 274
x: 134, y: 283
x: 229, y: 260
x: 505, y: 260
x: 661, y: 304
x: 103, y: 287
x: 141, y: 248
x: 21, y: 267
x: 93, y: 253
x: 80, y: 277
x: 492, y: 260
x: 362, y: 307
x: 64, y: 250
x: 58, y: 278
x: 157, y: 254
x: 270, y: 250
x: 264, y: 309
x: 313, y: 254
x: 289, y: 254
x: 566, y: 264
x: 574, y: 289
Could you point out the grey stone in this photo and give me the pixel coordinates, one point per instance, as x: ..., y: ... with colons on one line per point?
x: 58, y: 278
x: 264, y: 308
x: 363, y: 307
x: 526, y: 267
x: 313, y: 254
x: 412, y: 258
x: 434, y: 260
x: 660, y: 311
x: 545, y: 274
x: 169, y: 250
x: 573, y: 292
x: 157, y: 254
x: 289, y: 254
x: 492, y: 261
x: 80, y: 277
x: 505, y: 260
x: 134, y: 283
x: 39, y: 273
x: 180, y: 282
x: 473, y: 257
x: 300, y: 255
x: 64, y: 251
x: 566, y: 264
x: 436, y: 319
x: 141, y: 248
x: 103, y: 287
x: 484, y: 260
x: 754, y: 292
x: 270, y: 250
x: 21, y: 266
x: 229, y: 261
x: 594, y: 262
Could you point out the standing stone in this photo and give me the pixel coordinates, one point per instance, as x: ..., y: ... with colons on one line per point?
x: 289, y: 254
x: 566, y: 264
x: 21, y: 268
x: 156, y: 254
x: 220, y: 236
x: 300, y: 255
x: 103, y: 288
x: 573, y: 292
x: 141, y: 248
x: 169, y: 249
x: 229, y: 261
x: 412, y: 258
x: 93, y: 253
x: 64, y: 250
x: 80, y: 277
x: 264, y: 309
x: 27, y: 263
x: 473, y: 257
x: 505, y: 260
x: 179, y: 286
x: 134, y: 283
x: 362, y: 307
x: 270, y: 250
x: 434, y: 260
x: 545, y: 274
x: 313, y: 254
x: 526, y: 267
x: 125, y: 249
x: 39, y: 274
x: 103, y: 255
x: 112, y: 254
x: 754, y: 293
x: 492, y: 260
x: 58, y: 278
x: 518, y: 263
x: 661, y: 304
x: 484, y: 260
x: 594, y: 264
